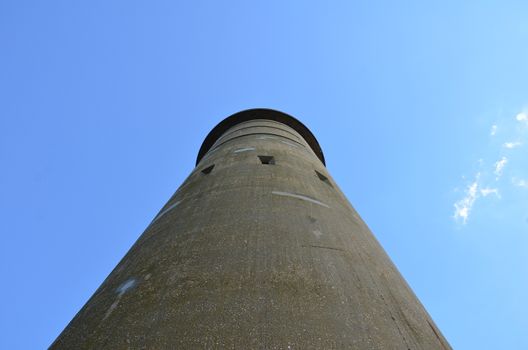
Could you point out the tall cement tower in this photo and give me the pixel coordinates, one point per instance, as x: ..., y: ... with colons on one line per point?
x: 257, y: 249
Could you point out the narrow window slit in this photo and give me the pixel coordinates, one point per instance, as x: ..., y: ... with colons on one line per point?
x: 208, y: 169
x: 323, y: 178
x: 267, y: 159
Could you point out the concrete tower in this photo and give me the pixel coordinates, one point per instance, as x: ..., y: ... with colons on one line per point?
x: 258, y: 248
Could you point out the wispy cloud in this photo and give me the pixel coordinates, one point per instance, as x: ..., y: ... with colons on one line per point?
x: 493, y: 130
x: 487, y: 191
x: 463, y: 206
x: 522, y: 117
x: 488, y: 181
x: 499, y: 166
x: 511, y: 145
x: 520, y: 182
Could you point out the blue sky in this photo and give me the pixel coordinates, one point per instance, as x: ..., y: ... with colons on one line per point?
x: 420, y: 107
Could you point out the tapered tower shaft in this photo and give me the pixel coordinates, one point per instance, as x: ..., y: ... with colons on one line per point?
x: 258, y: 248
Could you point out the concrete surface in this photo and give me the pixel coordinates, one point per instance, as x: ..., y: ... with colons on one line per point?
x: 249, y: 255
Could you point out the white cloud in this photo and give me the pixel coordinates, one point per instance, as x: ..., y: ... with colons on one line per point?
x: 493, y: 130
x: 520, y: 182
x: 486, y: 183
x: 463, y: 206
x: 511, y: 145
x: 487, y: 191
x: 499, y: 166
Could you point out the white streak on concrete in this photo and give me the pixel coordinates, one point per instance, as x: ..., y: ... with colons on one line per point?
x: 209, y: 153
x: 244, y: 149
x: 317, y: 233
x: 112, y: 307
x: 290, y: 144
x: 300, y: 196
x: 266, y: 137
x: 121, y: 290
x: 166, y: 211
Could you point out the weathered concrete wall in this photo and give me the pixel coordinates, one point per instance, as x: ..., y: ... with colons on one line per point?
x: 252, y: 255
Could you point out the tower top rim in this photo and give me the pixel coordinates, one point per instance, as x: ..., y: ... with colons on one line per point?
x: 260, y: 113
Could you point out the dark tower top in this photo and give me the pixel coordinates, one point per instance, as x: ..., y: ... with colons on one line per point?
x: 260, y: 113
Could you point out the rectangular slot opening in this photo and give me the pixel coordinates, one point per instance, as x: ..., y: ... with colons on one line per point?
x: 267, y: 159
x: 323, y: 178
x: 208, y: 169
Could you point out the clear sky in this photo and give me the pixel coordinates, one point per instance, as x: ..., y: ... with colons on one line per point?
x: 421, y: 108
